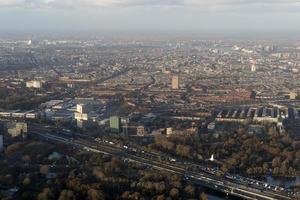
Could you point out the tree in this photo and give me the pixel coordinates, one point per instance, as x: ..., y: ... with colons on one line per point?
x: 203, y: 196
x: 26, y: 158
x: 44, y: 169
x: 126, y: 195
x: 291, y: 171
x: 27, y: 195
x: 190, y: 190
x: 183, y: 150
x: 66, y: 195
x: 174, y: 193
x: 265, y: 167
x: 249, y: 171
x: 95, y: 195
x: 99, y: 174
x: 47, y: 194
x: 26, y: 181
x: 176, y: 184
x: 272, y: 130
x: 164, y: 143
x: 224, y: 168
x: 160, y: 197
x: 160, y: 187
x: 13, y: 148
x: 283, y: 169
x: 276, y: 171
x: 276, y: 162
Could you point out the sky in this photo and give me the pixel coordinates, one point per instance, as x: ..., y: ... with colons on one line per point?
x: 152, y: 16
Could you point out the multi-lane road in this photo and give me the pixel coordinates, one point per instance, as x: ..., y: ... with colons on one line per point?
x: 234, y: 186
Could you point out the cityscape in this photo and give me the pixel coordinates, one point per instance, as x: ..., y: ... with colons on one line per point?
x: 147, y: 116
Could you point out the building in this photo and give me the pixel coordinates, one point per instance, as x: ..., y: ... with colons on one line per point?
x: 1, y: 143
x: 17, y: 129
x: 166, y: 70
x: 115, y: 124
x: 169, y: 131
x: 83, y: 108
x: 83, y: 123
x: 83, y: 115
x: 175, y: 82
x: 244, y: 114
x: 140, y: 131
x: 34, y: 84
x: 255, y: 129
x: 292, y: 95
x: 211, y: 126
x: 253, y: 68
x: 265, y: 114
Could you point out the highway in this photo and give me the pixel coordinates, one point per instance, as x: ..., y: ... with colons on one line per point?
x: 236, y: 187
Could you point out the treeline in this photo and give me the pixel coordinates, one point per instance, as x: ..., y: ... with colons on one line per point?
x: 238, y: 152
x: 82, y: 175
x: 20, y: 100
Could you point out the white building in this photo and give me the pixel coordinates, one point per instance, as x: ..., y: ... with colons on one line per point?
x: 83, y: 108
x: 211, y: 126
x: 169, y: 131
x: 34, y: 84
x: 253, y: 68
x: 82, y: 115
x: 17, y: 129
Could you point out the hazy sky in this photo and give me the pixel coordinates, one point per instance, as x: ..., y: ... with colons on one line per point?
x: 33, y: 16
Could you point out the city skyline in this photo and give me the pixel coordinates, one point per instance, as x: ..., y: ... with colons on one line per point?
x: 148, y: 16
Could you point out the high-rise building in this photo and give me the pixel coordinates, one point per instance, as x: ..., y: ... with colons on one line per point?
x: 115, y: 124
x: 253, y: 68
x: 83, y: 108
x: 175, y: 82
x: 82, y: 115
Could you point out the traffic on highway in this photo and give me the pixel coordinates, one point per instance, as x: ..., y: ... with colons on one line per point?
x: 234, y: 185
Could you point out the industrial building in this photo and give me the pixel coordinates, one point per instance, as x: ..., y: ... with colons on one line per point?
x: 261, y: 114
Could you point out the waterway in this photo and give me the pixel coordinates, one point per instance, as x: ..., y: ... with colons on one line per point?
x: 282, y: 181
